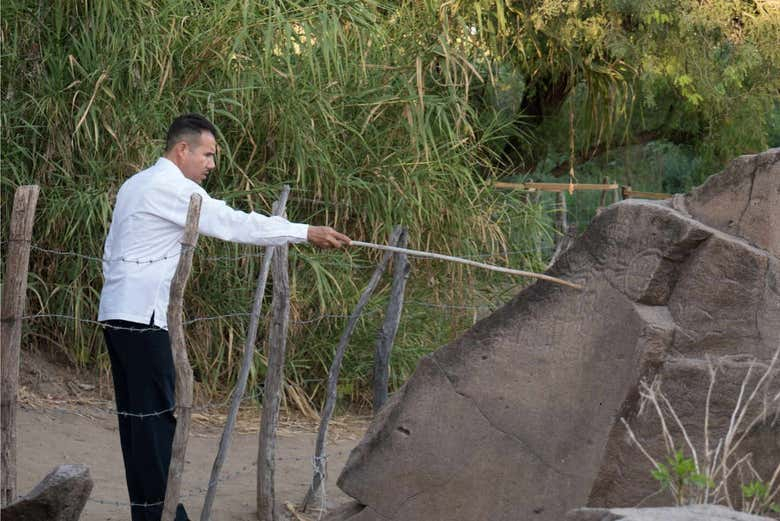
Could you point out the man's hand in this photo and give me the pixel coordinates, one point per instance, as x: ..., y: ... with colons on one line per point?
x: 327, y: 237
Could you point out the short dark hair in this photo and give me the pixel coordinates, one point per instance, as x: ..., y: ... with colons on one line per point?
x: 188, y: 125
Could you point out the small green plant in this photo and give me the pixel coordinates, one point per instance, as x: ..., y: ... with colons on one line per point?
x: 757, y: 495
x: 680, y: 476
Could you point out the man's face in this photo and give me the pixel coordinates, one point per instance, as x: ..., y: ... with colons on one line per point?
x: 197, y: 157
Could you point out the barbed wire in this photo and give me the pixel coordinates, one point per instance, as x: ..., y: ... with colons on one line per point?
x: 446, y: 306
x: 103, y: 259
x: 247, y: 255
x: 244, y: 314
x: 233, y: 258
x: 321, y: 202
x: 251, y: 397
x: 92, y: 408
x: 323, y: 317
x: 246, y: 469
x: 114, y: 327
x: 192, y: 492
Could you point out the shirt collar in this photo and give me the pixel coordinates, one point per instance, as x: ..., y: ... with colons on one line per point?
x: 168, y: 165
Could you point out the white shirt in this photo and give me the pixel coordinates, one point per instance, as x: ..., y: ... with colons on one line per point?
x: 144, y: 241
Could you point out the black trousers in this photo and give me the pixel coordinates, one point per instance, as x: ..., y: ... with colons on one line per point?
x: 144, y: 379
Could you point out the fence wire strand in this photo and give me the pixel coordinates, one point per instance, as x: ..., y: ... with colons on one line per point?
x: 249, y: 255
x: 188, y: 322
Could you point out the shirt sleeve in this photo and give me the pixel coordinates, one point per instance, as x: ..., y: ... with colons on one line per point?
x: 219, y: 220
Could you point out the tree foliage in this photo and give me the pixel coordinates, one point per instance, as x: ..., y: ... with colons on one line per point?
x: 705, y: 74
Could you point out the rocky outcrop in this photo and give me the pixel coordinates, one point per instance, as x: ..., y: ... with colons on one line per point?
x: 742, y: 201
x: 60, y: 496
x: 519, y: 418
x: 687, y: 513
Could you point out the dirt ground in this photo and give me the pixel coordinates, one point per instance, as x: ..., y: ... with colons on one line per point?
x: 64, y: 417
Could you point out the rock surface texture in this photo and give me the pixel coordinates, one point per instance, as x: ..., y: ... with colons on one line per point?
x: 688, y: 513
x: 519, y: 418
x: 61, y: 496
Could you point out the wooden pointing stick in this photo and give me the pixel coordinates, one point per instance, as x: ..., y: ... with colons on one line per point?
x: 468, y: 262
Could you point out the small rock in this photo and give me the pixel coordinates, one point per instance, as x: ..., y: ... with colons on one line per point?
x: 686, y: 513
x: 59, y: 497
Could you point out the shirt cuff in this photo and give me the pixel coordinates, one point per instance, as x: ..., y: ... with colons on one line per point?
x: 300, y: 231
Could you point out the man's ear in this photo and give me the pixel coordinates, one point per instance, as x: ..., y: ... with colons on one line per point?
x: 180, y: 147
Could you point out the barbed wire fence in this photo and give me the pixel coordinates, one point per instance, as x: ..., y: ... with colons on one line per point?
x: 243, y: 472
x: 20, y: 245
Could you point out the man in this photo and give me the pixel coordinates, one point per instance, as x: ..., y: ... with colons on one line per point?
x: 139, y: 261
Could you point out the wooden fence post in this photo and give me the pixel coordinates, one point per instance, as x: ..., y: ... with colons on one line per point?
x: 333, y: 374
x: 603, y: 196
x: 246, y: 364
x: 13, y: 305
x: 561, y: 215
x: 386, y: 336
x: 272, y: 391
x: 562, y: 226
x: 535, y: 198
x: 180, y: 360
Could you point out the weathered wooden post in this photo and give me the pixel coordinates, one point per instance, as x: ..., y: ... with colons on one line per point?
x: 335, y: 368
x: 180, y: 360
x: 603, y: 195
x: 272, y: 391
x: 386, y: 336
x: 246, y: 364
x: 14, y: 300
x: 535, y: 198
x: 561, y: 226
x: 561, y: 215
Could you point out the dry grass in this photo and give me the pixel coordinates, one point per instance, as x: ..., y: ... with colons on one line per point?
x: 724, y: 471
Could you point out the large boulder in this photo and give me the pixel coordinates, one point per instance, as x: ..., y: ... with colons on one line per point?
x: 687, y: 513
x: 519, y: 418
x: 740, y: 201
x: 60, y: 496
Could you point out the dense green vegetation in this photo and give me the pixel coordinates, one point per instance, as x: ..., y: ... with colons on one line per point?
x: 377, y: 113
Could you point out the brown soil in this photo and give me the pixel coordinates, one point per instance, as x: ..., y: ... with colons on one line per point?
x: 64, y: 417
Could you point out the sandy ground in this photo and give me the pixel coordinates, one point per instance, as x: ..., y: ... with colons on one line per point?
x: 47, y: 438
x: 52, y: 429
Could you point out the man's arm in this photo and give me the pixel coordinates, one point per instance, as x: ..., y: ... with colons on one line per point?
x: 219, y: 220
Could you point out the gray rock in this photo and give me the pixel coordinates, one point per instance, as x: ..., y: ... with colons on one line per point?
x: 743, y: 200
x: 686, y: 513
x: 518, y: 419
x: 60, y: 496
